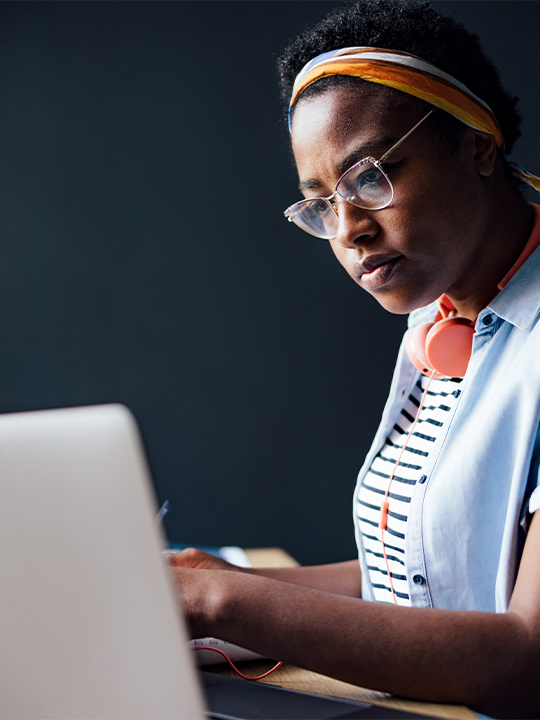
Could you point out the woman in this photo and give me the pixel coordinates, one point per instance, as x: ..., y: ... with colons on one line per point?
x: 402, y: 167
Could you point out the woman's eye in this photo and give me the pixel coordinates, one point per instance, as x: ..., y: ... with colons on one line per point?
x: 374, y: 176
x: 369, y: 177
x: 318, y: 207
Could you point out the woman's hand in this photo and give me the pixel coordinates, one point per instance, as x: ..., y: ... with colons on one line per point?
x: 202, y: 594
x: 196, y: 593
x: 193, y: 558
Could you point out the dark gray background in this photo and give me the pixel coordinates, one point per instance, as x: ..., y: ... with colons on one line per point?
x: 144, y: 169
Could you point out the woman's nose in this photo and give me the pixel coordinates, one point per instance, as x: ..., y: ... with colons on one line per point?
x: 355, y: 225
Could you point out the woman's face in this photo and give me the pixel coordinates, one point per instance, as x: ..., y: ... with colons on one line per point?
x: 429, y: 240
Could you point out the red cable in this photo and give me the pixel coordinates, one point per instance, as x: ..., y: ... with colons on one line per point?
x: 236, y: 670
x: 385, y: 503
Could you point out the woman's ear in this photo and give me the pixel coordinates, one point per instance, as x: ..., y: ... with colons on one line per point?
x: 485, y: 152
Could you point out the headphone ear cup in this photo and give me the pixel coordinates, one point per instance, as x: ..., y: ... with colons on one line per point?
x: 415, y: 344
x: 448, y: 346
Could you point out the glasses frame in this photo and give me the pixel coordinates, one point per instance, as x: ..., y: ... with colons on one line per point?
x: 294, y: 209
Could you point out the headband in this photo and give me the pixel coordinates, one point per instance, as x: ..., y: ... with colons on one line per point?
x: 413, y: 76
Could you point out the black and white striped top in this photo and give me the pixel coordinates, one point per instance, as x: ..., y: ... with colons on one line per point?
x: 437, y: 405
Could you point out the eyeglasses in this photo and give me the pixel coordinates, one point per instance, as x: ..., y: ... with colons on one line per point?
x: 365, y: 185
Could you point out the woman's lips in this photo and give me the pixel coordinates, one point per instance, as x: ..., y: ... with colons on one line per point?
x: 376, y: 270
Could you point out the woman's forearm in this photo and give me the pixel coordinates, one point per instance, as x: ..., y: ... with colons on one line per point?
x: 343, y: 578
x: 484, y: 660
x: 488, y: 661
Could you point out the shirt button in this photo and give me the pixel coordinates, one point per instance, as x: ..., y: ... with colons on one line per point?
x: 487, y: 319
x: 418, y: 580
x: 422, y: 478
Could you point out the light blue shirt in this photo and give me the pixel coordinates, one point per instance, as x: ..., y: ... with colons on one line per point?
x: 467, y: 521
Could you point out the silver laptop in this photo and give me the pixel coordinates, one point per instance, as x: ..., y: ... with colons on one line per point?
x: 89, y: 626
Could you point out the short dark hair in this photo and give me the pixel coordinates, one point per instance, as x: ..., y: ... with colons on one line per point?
x: 412, y: 26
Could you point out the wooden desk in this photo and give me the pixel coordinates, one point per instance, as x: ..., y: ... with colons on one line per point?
x: 297, y: 679
x: 270, y: 557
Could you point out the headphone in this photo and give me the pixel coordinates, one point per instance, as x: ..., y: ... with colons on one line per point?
x: 441, y: 348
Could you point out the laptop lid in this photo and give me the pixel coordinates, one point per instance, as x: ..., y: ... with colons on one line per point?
x: 89, y: 627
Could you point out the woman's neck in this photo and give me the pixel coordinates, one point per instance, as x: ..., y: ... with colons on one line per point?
x: 507, y: 232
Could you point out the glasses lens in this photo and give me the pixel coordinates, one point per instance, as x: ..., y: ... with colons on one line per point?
x: 365, y: 185
x: 315, y: 217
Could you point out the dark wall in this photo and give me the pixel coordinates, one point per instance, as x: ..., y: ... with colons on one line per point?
x: 144, y: 169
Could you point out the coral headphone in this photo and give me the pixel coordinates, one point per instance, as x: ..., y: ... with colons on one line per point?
x: 442, y: 347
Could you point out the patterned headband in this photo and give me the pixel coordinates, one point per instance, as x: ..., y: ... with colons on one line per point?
x: 413, y: 76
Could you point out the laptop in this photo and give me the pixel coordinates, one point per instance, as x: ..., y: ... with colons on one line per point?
x: 89, y: 625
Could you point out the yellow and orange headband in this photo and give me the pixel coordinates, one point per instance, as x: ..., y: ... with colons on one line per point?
x: 410, y: 75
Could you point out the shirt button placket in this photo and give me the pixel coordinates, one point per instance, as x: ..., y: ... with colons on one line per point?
x: 418, y: 589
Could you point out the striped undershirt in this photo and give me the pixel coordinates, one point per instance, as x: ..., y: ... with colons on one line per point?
x: 439, y: 400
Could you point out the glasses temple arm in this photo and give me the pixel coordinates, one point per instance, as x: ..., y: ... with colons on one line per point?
x: 387, y: 153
